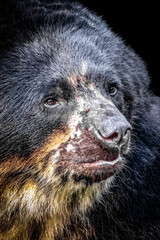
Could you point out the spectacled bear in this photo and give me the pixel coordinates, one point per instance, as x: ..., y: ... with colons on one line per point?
x: 80, y: 130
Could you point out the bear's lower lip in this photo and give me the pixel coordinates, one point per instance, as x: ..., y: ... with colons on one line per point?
x: 96, y: 171
x: 100, y: 163
x: 110, y: 160
x: 90, y: 171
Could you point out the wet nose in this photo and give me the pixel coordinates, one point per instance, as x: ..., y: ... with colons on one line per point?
x: 115, y: 131
x: 118, y: 136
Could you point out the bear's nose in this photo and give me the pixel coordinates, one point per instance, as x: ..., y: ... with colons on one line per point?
x: 115, y: 131
x: 121, y: 136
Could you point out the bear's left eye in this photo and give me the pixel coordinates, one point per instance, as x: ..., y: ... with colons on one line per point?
x: 112, y: 90
x: 50, y: 102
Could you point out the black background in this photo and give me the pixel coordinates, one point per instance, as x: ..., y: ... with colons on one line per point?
x: 138, y: 24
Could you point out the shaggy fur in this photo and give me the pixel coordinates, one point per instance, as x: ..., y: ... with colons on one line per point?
x: 58, y: 63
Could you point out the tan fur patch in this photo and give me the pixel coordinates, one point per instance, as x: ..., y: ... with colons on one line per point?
x: 17, y: 232
x: 52, y: 143
x: 91, y: 86
x: 75, y: 79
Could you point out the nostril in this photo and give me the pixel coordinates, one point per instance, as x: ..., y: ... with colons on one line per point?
x: 110, y: 137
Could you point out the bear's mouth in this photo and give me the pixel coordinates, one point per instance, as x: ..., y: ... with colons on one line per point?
x: 88, y: 158
x: 100, y: 162
x: 97, y: 169
x: 105, y: 158
x: 92, y: 170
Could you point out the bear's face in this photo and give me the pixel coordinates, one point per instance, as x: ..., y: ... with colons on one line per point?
x: 68, y: 132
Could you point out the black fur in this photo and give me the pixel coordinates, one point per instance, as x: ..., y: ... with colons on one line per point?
x: 42, y: 43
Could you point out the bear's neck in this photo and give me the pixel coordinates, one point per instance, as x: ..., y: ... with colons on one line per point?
x: 49, y: 229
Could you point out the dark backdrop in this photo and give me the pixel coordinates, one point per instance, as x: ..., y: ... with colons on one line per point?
x: 138, y: 24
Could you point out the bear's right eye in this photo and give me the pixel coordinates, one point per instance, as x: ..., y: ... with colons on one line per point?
x: 50, y: 102
x: 112, y: 90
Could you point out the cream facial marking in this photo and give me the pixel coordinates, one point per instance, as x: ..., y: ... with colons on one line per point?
x: 70, y: 147
x: 84, y: 68
x: 55, y: 157
x: 78, y: 133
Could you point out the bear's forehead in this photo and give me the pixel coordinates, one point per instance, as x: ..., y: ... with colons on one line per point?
x: 47, y: 70
x: 69, y: 54
x: 53, y: 61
